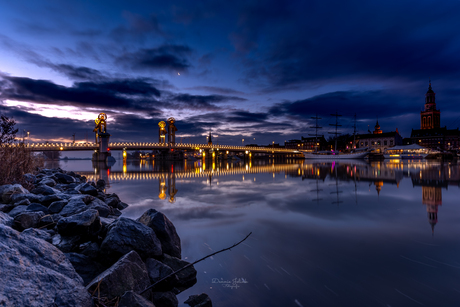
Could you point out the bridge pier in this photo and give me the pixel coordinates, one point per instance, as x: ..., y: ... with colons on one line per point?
x: 102, y: 154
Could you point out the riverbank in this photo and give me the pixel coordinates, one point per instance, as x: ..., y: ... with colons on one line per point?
x: 63, y: 243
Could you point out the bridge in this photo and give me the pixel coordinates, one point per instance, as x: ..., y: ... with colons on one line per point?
x: 167, y: 148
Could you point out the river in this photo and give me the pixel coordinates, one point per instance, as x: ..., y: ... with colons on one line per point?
x: 346, y: 233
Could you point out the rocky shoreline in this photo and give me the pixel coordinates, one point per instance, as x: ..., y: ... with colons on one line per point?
x: 63, y: 243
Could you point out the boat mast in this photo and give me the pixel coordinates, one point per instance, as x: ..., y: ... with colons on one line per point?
x: 316, y: 133
x: 354, y: 133
x: 336, y: 126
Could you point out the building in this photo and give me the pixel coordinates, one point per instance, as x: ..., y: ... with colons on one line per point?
x: 309, y: 143
x: 431, y: 134
x: 378, y: 140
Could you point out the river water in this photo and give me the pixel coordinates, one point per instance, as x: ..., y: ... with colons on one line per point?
x: 323, y: 233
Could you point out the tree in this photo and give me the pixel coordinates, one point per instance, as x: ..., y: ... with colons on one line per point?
x: 7, y: 131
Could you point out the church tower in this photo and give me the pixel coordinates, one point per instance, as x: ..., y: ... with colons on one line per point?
x: 430, y: 118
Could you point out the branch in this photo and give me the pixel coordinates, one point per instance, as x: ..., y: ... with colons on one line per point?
x: 190, y: 264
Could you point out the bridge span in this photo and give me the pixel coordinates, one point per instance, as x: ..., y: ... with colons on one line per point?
x: 56, y: 146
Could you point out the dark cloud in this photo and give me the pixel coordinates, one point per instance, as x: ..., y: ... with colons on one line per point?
x: 78, y: 72
x: 216, y: 89
x: 167, y: 57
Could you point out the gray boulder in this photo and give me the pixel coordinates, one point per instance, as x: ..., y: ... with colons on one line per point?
x: 187, y: 277
x: 74, y: 206
x: 86, y: 188
x: 165, y: 299
x: 49, y: 199
x: 6, y: 220
x: 101, y: 207
x: 48, y: 181
x: 165, y: 231
x: 36, y: 274
x: 89, y: 249
x: 202, y: 300
x: 125, y: 235
x: 85, y: 223
x: 38, y: 233
x: 50, y: 220
x: 65, y: 243
x: 100, y: 184
x: 129, y: 269
x: 15, y: 198
x: 7, y: 191
x: 56, y: 206
x: 16, y: 210
x: 158, y: 271
x: 6, y: 207
x: 44, y: 190
x: 37, y: 208
x: 112, y: 202
x: 132, y: 299
x: 24, y: 202
x: 64, y: 178
x: 27, y: 219
x: 122, y: 205
x: 87, y: 268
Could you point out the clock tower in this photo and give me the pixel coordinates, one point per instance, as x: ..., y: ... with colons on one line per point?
x: 430, y: 118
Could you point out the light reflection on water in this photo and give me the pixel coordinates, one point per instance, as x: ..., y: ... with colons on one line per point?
x: 324, y: 233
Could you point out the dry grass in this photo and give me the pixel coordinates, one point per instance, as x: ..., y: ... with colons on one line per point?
x: 15, y: 161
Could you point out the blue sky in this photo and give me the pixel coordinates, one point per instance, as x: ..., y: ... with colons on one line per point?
x: 245, y: 69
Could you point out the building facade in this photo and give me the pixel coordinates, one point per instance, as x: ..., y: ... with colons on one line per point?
x: 378, y: 140
x: 309, y: 143
x: 431, y: 134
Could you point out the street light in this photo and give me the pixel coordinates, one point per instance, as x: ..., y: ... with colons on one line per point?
x: 242, y: 141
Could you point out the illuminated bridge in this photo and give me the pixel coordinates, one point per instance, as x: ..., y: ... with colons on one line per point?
x: 155, y: 146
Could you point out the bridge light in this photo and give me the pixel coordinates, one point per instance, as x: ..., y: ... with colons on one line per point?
x: 61, y: 148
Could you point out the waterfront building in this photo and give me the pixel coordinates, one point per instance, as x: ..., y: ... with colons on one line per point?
x: 378, y: 140
x: 307, y: 143
x: 431, y: 134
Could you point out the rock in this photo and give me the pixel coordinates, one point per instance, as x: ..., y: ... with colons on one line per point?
x: 49, y: 199
x: 50, y: 220
x: 48, y: 181
x: 27, y: 219
x: 116, y: 212
x: 74, y: 206
x: 100, y: 184
x: 56, y: 206
x: 132, y: 299
x: 122, y: 205
x: 44, y: 190
x: 6, y: 207
x: 24, y: 202
x: 125, y: 235
x: 38, y: 233
x: 87, y: 199
x: 66, y: 244
x: 86, y: 188
x: 16, y: 210
x: 15, y: 198
x: 63, y: 178
x: 187, y: 277
x: 202, y: 300
x: 101, y: 207
x: 165, y: 231
x: 165, y: 299
x: 6, y: 220
x: 37, y: 208
x: 83, y: 224
x: 107, y: 221
x: 112, y: 202
x: 85, y: 267
x: 157, y: 271
x: 9, y: 190
x: 89, y: 249
x: 72, y: 192
x: 36, y: 274
x: 130, y: 269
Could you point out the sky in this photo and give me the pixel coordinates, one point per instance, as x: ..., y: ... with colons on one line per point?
x: 252, y: 70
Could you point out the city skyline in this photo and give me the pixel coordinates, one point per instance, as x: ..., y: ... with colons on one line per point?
x: 257, y: 71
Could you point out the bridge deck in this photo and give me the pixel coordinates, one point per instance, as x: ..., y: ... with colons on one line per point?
x: 154, y: 146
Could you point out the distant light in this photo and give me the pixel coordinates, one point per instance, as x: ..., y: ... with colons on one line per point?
x: 178, y: 74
